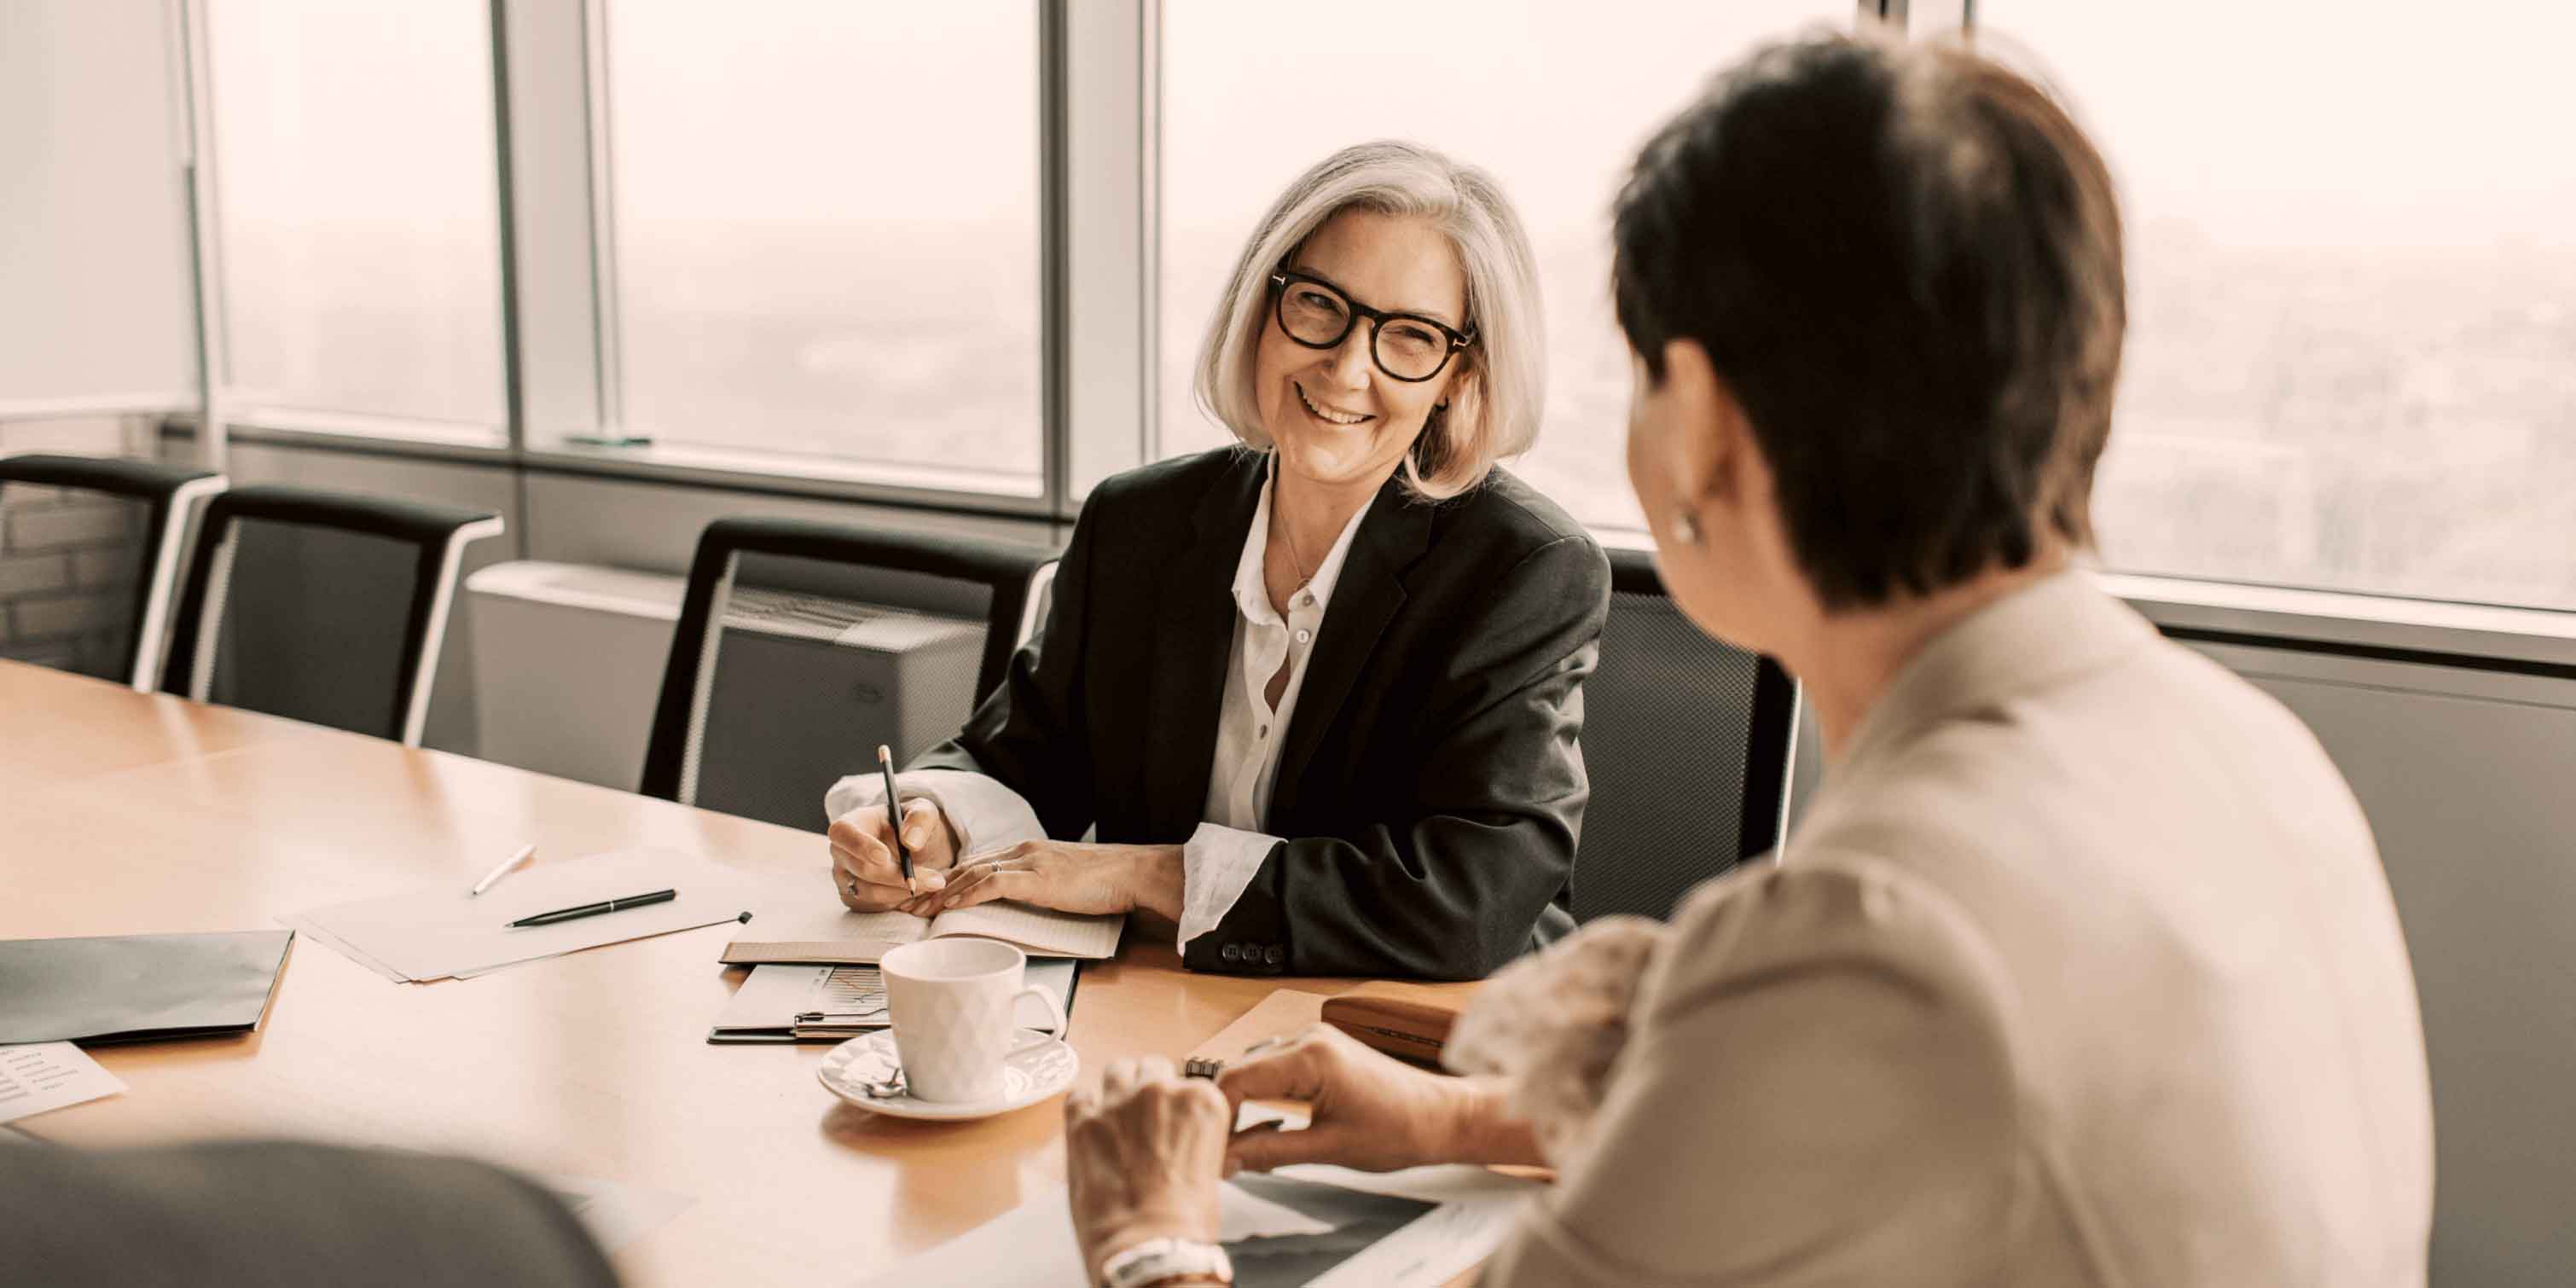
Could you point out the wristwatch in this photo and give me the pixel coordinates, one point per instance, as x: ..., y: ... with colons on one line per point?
x: 1158, y: 1260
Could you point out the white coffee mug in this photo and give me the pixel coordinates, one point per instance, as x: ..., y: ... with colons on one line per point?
x: 951, y: 1001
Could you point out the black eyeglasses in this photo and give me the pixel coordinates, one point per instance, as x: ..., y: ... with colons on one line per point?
x: 1408, y: 346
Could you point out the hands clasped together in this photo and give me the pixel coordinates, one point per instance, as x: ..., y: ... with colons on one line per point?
x: 1069, y: 876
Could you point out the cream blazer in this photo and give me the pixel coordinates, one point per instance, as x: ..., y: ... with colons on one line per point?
x: 2082, y: 970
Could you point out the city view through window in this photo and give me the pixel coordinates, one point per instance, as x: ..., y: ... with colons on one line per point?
x: 2352, y: 243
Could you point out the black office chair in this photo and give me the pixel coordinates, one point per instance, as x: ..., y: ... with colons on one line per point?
x: 1687, y: 742
x: 120, y: 547
x: 839, y: 639
x: 321, y: 606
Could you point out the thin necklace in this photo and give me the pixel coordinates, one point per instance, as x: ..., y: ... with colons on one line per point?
x: 1296, y: 559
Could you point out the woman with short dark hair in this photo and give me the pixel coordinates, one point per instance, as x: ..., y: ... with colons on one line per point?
x: 2082, y: 970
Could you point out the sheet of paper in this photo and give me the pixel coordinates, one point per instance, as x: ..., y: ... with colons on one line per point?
x: 1475, y: 1211
x: 1284, y: 1013
x: 441, y: 932
x: 770, y: 997
x: 1241, y: 1214
x: 305, y: 926
x: 40, y: 1076
x: 1303, y: 1225
x: 615, y: 1214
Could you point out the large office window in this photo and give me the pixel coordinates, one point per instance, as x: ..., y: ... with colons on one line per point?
x: 2352, y: 288
x: 1553, y: 98
x: 826, y: 232
x: 357, y: 210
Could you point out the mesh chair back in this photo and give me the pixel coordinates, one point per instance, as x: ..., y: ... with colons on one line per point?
x: 1687, y: 742
x: 321, y: 607
x: 802, y: 646
x: 89, y: 559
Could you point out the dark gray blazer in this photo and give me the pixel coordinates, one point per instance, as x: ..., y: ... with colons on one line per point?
x: 1431, y: 782
x: 285, y: 1214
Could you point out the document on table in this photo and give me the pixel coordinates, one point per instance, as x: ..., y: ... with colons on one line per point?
x: 442, y: 932
x: 857, y: 938
x: 831, y: 1003
x: 49, y: 1075
x: 1324, y: 1226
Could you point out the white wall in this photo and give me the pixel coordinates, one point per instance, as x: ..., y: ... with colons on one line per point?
x: 95, y: 285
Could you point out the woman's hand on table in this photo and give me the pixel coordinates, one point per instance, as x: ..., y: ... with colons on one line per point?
x: 864, y: 871
x: 1069, y: 876
x: 1141, y: 1154
x: 1370, y: 1111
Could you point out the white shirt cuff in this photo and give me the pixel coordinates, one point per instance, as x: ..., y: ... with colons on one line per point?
x: 985, y: 814
x: 1217, y: 862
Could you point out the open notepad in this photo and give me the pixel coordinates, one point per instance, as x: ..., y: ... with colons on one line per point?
x: 857, y: 938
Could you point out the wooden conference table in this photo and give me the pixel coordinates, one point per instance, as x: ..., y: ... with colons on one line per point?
x: 127, y: 813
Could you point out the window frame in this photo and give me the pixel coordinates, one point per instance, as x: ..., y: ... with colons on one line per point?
x: 1100, y: 191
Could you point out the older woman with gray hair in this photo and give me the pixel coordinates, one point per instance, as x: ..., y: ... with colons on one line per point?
x: 1315, y: 696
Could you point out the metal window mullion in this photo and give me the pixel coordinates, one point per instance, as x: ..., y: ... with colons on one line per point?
x: 1054, y: 348
x: 205, y: 259
x: 609, y: 365
x: 514, y: 402
x: 1149, y: 231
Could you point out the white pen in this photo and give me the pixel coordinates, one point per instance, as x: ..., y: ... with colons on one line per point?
x: 503, y: 870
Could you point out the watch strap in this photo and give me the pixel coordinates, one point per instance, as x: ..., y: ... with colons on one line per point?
x: 1157, y: 1260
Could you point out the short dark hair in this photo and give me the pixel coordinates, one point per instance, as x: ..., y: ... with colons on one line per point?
x: 1905, y: 262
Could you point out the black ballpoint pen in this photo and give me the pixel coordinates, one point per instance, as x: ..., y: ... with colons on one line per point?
x: 894, y: 817
x: 594, y: 909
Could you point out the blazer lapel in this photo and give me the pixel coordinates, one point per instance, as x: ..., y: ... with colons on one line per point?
x: 1194, y: 633
x: 1394, y: 536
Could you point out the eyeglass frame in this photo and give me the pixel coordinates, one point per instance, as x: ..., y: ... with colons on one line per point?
x: 1377, y: 320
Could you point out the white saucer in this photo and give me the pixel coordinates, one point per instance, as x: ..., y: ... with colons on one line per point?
x: 1038, y: 1067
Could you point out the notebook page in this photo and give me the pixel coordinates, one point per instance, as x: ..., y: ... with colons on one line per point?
x: 1044, y: 932
x: 836, y: 936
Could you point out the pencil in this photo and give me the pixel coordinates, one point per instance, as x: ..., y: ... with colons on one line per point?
x: 894, y: 817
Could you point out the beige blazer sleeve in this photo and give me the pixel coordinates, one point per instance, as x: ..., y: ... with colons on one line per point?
x: 1819, y: 1091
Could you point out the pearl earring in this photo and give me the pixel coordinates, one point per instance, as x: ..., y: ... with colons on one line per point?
x: 1684, y: 528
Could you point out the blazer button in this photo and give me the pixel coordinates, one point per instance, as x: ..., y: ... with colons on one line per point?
x: 1273, y: 955
x: 1231, y: 952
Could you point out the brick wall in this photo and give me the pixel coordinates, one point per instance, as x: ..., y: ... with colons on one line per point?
x: 69, y: 560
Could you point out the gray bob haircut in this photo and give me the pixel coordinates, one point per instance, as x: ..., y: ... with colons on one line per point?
x: 1500, y: 384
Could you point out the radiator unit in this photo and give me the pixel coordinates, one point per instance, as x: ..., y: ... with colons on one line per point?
x: 807, y: 686
x: 568, y: 665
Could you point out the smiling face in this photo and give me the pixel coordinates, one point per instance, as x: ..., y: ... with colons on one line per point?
x: 1336, y: 417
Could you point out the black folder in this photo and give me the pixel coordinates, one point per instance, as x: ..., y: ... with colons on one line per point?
x: 136, y: 988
